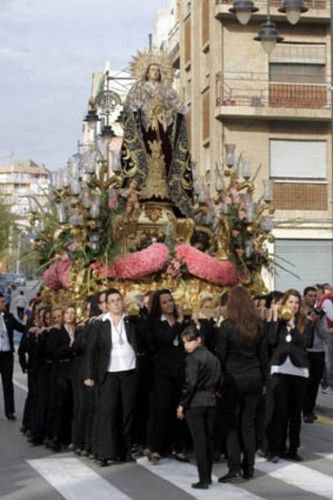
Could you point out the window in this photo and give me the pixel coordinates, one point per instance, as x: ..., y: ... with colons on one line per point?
x: 296, y: 73
x: 310, y: 260
x: 298, y: 159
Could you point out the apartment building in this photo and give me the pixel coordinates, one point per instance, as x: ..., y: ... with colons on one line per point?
x: 276, y: 108
x: 19, y: 181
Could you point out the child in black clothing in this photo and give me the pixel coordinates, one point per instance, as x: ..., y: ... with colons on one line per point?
x: 198, y: 401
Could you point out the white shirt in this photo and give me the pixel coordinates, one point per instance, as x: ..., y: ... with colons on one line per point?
x: 327, y: 307
x: 122, y: 355
x: 71, y: 334
x: 4, y: 338
x: 21, y: 301
x: 288, y: 368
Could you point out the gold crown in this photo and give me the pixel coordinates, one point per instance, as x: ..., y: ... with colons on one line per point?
x: 141, y: 61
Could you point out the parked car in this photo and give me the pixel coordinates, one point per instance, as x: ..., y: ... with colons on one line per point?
x: 19, y: 280
x: 6, y: 279
x: 12, y: 279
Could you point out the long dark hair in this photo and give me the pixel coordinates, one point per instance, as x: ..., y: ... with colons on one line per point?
x: 156, y: 310
x: 300, y: 318
x: 242, y: 312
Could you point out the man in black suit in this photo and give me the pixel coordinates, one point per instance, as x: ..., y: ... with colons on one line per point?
x: 7, y: 326
x: 111, y: 364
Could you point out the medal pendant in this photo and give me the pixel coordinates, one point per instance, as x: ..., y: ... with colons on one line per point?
x: 288, y: 338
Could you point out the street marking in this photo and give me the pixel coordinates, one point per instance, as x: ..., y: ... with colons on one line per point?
x: 21, y: 386
x: 302, y: 477
x: 75, y: 481
x: 325, y: 420
x: 182, y: 477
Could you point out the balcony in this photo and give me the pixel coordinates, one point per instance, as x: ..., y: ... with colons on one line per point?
x: 319, y: 10
x: 172, y: 44
x: 251, y: 95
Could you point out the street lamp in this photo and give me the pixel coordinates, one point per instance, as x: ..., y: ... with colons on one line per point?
x: 268, y: 34
x: 293, y: 10
x: 243, y: 10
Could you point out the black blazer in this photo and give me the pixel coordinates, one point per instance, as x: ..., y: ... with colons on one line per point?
x: 208, y: 332
x: 238, y: 359
x: 168, y: 358
x: 58, y: 344
x: 99, y: 348
x: 202, y: 379
x: 11, y: 325
x: 80, y: 347
x: 27, y: 352
x: 276, y: 334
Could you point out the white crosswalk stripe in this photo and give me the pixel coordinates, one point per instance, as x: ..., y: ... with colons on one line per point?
x: 298, y: 475
x: 75, y: 481
x: 182, y: 476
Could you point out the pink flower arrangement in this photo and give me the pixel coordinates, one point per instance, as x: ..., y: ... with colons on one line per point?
x: 140, y: 264
x: 137, y: 264
x: 103, y: 271
x: 175, y: 268
x: 206, y: 267
x: 73, y: 246
x: 58, y: 274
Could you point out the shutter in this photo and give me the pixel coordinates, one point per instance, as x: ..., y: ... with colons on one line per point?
x: 298, y: 159
x: 299, y: 53
x: 311, y: 260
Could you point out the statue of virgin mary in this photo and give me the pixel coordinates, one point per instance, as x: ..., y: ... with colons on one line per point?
x: 155, y: 147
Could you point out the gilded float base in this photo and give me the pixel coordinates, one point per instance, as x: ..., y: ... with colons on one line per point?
x: 189, y: 292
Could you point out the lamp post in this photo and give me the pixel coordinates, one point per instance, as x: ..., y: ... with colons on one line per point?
x: 268, y: 34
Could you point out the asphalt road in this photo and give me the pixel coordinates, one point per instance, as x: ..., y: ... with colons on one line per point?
x: 30, y: 290
x: 30, y: 473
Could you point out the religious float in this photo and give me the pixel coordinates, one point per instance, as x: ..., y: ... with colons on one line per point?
x: 148, y: 221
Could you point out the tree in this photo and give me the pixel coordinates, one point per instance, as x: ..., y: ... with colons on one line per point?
x: 6, y: 222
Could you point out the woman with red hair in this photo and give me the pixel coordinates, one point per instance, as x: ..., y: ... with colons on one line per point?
x: 244, y: 358
x: 289, y: 333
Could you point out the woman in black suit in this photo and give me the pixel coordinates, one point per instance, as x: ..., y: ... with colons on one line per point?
x: 289, y: 368
x: 165, y: 328
x: 59, y: 347
x: 243, y: 354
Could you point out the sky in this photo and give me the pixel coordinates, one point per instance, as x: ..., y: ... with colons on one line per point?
x: 48, y: 52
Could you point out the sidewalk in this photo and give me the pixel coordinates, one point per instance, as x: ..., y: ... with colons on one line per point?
x: 324, y: 404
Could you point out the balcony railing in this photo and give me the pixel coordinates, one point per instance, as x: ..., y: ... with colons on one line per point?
x: 254, y: 90
x: 262, y: 4
x: 171, y: 45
